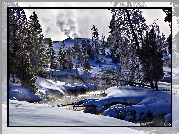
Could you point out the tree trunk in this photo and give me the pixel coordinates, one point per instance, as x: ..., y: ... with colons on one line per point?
x: 152, y: 85
x: 156, y: 86
x: 13, y: 79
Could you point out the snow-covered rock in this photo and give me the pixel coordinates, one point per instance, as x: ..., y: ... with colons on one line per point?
x: 17, y: 92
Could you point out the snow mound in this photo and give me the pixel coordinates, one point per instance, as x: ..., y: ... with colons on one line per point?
x: 17, y: 92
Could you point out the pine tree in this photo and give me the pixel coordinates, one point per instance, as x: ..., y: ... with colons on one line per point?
x: 38, y: 56
x: 17, y: 32
x: 21, y: 65
x: 52, y: 57
x: 95, y: 46
x: 103, y: 45
x: 151, y: 59
x: 63, y: 56
x: 84, y: 47
x: 76, y: 46
x: 86, y: 66
x: 26, y: 76
x: 127, y: 27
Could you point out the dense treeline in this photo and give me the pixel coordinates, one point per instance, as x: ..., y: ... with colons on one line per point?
x: 132, y: 43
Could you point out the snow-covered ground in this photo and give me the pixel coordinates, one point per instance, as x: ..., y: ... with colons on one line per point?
x: 25, y: 114
x: 31, y: 114
x: 45, y: 115
x: 143, y: 101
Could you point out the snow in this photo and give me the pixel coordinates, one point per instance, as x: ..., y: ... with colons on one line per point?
x: 48, y: 87
x: 17, y: 92
x: 126, y: 91
x: 68, y: 43
x: 168, y: 118
x: 26, y: 114
x: 47, y: 117
x: 146, y: 100
x: 54, y: 116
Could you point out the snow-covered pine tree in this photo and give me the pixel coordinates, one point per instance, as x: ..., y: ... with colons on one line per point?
x: 62, y: 57
x: 21, y: 66
x: 103, y: 46
x: 17, y: 32
x: 127, y: 28
x: 26, y: 76
x: 86, y: 66
x: 76, y: 46
x: 84, y: 47
x: 78, y: 52
x: 52, y: 57
x: 150, y: 56
x: 43, y: 59
x: 95, y: 46
x: 38, y: 56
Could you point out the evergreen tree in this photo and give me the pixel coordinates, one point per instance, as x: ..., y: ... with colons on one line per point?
x: 17, y: 31
x: 127, y: 27
x: 52, y: 57
x: 151, y: 59
x: 38, y: 56
x: 86, y: 66
x: 84, y: 47
x: 103, y: 45
x: 95, y: 46
x: 70, y: 64
x: 63, y: 57
x: 21, y: 66
x: 76, y: 47
x: 26, y: 76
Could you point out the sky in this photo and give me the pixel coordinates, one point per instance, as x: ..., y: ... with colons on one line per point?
x: 78, y: 22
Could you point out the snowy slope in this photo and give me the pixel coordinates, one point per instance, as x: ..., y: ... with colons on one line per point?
x: 68, y: 43
x: 44, y: 115
x: 63, y: 130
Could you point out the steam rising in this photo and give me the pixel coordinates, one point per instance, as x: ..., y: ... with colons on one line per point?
x: 67, y: 27
x: 59, y: 24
